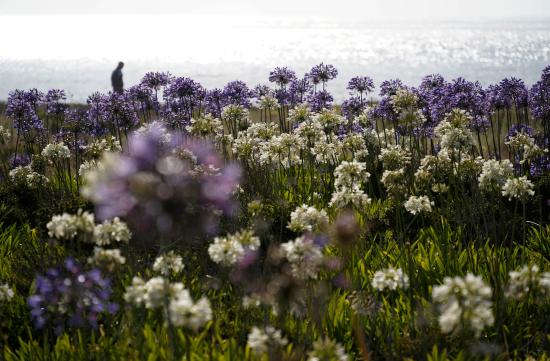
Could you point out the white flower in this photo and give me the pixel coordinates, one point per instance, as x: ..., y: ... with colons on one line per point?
x: 106, y: 258
x: 327, y: 350
x: 347, y: 196
x: 453, y: 132
x: 527, y: 280
x: 152, y: 294
x: 205, y: 126
x: 261, y: 341
x: 418, y: 204
x: 168, y: 263
x: 394, y: 157
x: 390, y: 278
x: 68, y: 226
x: 5, y: 135
x: 464, y: 302
x: 56, y: 151
x: 267, y: 102
x: 495, y: 173
x: 349, y: 174
x: 6, y: 293
x: 25, y: 175
x: 183, y: 312
x: 304, y: 256
x: 155, y: 126
x: 110, y: 231
x: 87, y: 166
x: 519, y: 188
x: 96, y: 149
x: 226, y: 251
x: 403, y: 99
x: 306, y: 218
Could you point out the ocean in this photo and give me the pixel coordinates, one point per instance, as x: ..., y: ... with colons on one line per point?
x: 78, y: 52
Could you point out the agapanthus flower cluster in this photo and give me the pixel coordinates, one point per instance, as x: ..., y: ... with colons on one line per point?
x: 168, y: 263
x: 390, y: 279
x: 304, y: 256
x: 529, y: 280
x: 97, y: 147
x: 418, y: 204
x: 237, y: 93
x: 181, y: 311
x: 21, y: 108
x: 27, y: 176
x: 519, y: 188
x: 453, y: 132
x: 307, y: 219
x: 282, y: 76
x: 106, y: 259
x: 322, y: 73
x: 111, y: 231
x: 494, y: 173
x: 261, y: 341
x: 204, y: 127
x: 158, y: 188
x: 349, y: 176
x: 394, y: 157
x: 56, y: 151
x: 230, y: 249
x: 68, y: 296
x: 327, y: 350
x: 361, y: 84
x: 6, y: 293
x: 71, y: 226
x: 403, y: 99
x: 464, y: 304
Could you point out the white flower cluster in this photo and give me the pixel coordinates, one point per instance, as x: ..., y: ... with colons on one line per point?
x: 106, y: 258
x: 235, y: 112
x: 329, y: 120
x: 494, y: 173
x: 348, y: 179
x: 25, y: 175
x: 395, y: 182
x: 96, y: 148
x: 403, y: 99
x: 453, y: 132
x: 418, y: 204
x: 391, y: 279
x: 67, y: 226
x: 519, y: 188
x: 281, y: 150
x: 111, y: 231
x: 267, y: 102
x: 261, y: 341
x: 527, y: 145
x: 6, y: 293
x: 394, y: 157
x: 326, y: 151
x: 230, y: 249
x: 354, y: 144
x: 56, y: 151
x: 464, y: 302
x: 205, y: 126
x: 168, y: 263
x: 158, y: 292
x: 307, y: 219
x: 326, y: 349
x: 304, y: 256
x: 87, y: 166
x: 528, y: 280
x: 157, y: 126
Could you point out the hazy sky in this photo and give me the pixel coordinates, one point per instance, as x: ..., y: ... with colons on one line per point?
x: 354, y: 9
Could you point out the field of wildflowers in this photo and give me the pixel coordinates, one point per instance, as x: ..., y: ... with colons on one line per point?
x: 172, y: 222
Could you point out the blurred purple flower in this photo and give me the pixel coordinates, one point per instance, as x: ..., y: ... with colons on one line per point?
x: 320, y: 100
x: 282, y: 76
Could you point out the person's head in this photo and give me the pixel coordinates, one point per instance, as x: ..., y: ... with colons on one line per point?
x: 120, y: 65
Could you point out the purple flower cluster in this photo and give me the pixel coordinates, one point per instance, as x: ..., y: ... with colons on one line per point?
x: 53, y: 100
x: 155, y: 80
x: 299, y: 88
x: 22, y: 109
x: 237, y: 93
x: 322, y: 73
x: 539, y: 98
x: 165, y: 184
x: 282, y: 76
x: 320, y: 100
x: 68, y: 296
x: 361, y: 84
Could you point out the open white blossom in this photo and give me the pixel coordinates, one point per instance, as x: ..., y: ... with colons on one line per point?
x: 68, y: 226
x: 494, y: 173
x: 168, y: 263
x: 261, y: 341
x: 230, y: 249
x: 349, y: 174
x: 326, y: 349
x: 152, y: 294
x: 390, y: 278
x: 184, y: 312
x: 307, y: 219
x: 453, y: 132
x: 464, y: 302
x: 394, y: 157
x: 6, y: 293
x: 111, y: 231
x: 56, y: 151
x: 96, y: 148
x: 519, y: 188
x: 106, y: 258
x: 25, y: 175
x: 349, y: 196
x: 418, y: 204
x: 528, y: 280
x: 304, y: 256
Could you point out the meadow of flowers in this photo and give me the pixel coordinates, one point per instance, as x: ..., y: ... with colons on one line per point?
x: 173, y: 222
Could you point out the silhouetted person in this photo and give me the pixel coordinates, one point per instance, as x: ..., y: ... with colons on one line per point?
x: 116, y: 78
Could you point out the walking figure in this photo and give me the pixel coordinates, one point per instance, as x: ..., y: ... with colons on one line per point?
x: 116, y: 79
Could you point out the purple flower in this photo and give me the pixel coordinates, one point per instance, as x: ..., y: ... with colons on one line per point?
x: 283, y: 96
x: 516, y: 129
x: 21, y: 108
x: 320, y: 100
x: 514, y: 92
x: 155, y: 80
x: 322, y: 73
x: 282, y: 76
x: 53, y: 100
x: 352, y: 107
x: 20, y: 159
x: 539, y: 100
x: 299, y: 88
x: 260, y: 90
x: 390, y: 87
x: 70, y: 297
x: 237, y: 93
x: 165, y: 185
x: 214, y: 102
x: 361, y: 84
